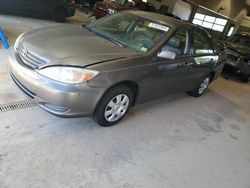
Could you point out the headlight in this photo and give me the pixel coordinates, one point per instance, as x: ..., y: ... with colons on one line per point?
x: 69, y: 75
x: 111, y: 11
x: 18, y: 41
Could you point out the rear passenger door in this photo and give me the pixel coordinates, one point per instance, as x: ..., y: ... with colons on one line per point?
x: 168, y: 75
x: 204, y: 56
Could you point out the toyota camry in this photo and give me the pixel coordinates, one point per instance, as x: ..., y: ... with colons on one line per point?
x: 103, y: 68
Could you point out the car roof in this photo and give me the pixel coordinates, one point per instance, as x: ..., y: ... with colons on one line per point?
x: 166, y: 20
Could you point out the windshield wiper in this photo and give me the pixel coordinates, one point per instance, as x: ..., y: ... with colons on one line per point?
x: 110, y: 39
x: 105, y: 37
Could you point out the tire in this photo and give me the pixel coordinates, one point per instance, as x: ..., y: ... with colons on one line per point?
x: 244, y: 77
x: 110, y: 109
x: 202, y: 87
x: 59, y: 14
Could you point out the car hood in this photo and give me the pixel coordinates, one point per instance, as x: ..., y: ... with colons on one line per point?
x: 243, y: 50
x: 71, y: 45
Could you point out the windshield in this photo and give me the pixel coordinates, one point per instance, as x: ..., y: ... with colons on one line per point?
x: 240, y: 39
x: 129, y: 31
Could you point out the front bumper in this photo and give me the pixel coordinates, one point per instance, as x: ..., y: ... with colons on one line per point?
x: 55, y: 97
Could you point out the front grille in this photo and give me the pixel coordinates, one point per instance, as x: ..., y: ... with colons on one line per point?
x: 30, y: 60
x: 232, y: 57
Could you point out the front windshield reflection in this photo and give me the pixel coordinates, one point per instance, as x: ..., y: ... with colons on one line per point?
x: 129, y: 30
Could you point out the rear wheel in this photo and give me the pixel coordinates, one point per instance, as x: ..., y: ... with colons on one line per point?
x: 202, y: 88
x: 59, y: 14
x: 244, y: 77
x: 113, y: 106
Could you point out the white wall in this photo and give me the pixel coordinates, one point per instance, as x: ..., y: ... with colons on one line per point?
x: 182, y: 9
x: 235, y: 9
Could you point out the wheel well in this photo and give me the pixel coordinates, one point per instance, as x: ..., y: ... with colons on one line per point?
x: 212, y: 75
x: 132, y: 85
x: 59, y: 14
x: 59, y: 7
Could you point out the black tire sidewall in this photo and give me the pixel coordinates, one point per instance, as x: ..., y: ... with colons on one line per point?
x: 59, y: 14
x: 100, y: 109
x: 196, y: 93
x: 244, y: 77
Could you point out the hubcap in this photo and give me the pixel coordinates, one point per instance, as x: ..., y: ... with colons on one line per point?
x: 116, y: 108
x: 204, y: 85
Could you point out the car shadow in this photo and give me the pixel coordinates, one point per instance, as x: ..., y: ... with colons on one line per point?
x: 166, y: 113
x: 161, y: 101
x: 214, y: 94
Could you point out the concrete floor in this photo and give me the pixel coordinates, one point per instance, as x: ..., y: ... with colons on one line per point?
x: 172, y: 142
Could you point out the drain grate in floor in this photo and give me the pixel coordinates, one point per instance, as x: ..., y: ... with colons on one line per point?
x: 16, y: 106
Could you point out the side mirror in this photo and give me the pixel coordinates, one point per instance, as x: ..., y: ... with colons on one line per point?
x: 167, y: 54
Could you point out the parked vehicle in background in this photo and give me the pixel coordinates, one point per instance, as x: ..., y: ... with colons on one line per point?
x: 86, y: 5
x: 58, y: 10
x: 110, y: 64
x: 112, y: 6
x: 92, y: 3
x: 83, y: 5
x: 238, y: 54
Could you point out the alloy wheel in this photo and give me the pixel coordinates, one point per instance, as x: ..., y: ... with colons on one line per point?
x: 204, y: 85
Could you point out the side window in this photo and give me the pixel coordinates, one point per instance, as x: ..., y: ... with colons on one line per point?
x: 201, y: 44
x: 178, y: 43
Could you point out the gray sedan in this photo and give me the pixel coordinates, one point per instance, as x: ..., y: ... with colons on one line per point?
x: 103, y: 68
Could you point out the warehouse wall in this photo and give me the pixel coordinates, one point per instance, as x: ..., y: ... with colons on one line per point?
x: 232, y: 7
x: 235, y: 9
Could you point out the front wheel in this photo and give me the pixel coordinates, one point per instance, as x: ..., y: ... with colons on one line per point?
x: 244, y: 77
x: 113, y: 106
x: 201, y: 89
x: 59, y: 14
